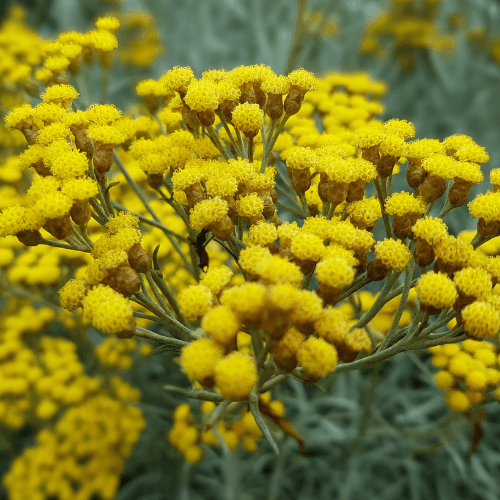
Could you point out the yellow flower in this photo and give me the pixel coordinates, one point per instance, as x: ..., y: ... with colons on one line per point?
x: 199, y: 359
x: 248, y: 119
x: 221, y: 324
x: 317, y: 357
x: 481, y: 320
x: 235, y: 376
x: 436, y: 290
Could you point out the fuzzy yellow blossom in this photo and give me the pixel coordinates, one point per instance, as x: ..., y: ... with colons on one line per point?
x: 202, y: 96
x: 472, y: 153
x: 60, y: 94
x: 221, y: 324
x: 317, y: 357
x: 444, y: 379
x: 263, y: 234
x: 72, y: 294
x: 474, y: 283
x: 50, y: 112
x: 199, y: 359
x: 235, y: 376
x: 277, y: 270
x: 247, y: 300
x: 457, y: 401
x: 217, y: 278
x: 178, y: 79
x: 109, y: 311
x: 432, y: 230
x: 248, y: 119
x: 364, y: 213
x: 194, y: 301
x: 401, y: 128
x: 481, y: 320
x: 393, y: 254
x: 436, y: 291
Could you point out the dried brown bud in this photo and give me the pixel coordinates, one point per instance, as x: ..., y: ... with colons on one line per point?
x: 377, y: 270
x: 60, y: 227
x: 415, y: 174
x: 30, y: 238
x: 102, y: 158
x: 155, y: 181
x: 206, y: 118
x: 424, y: 253
x: 139, y: 259
x: 274, y: 107
x: 81, y: 212
x: 459, y: 192
x: 222, y: 229
x: 432, y: 188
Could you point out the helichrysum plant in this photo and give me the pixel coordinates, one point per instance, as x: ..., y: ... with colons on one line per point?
x: 235, y: 220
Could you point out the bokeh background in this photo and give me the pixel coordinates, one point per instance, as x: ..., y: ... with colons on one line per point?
x: 381, y: 434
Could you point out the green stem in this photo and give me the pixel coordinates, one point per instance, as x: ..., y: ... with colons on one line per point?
x: 216, y: 141
x: 160, y: 282
x: 270, y: 144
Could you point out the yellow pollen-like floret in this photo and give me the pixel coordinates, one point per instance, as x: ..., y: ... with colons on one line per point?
x: 18, y: 116
x: 486, y: 206
x: 454, y: 251
x: 303, y: 80
x: 263, y: 234
x: 307, y: 246
x: 72, y: 294
x: 222, y: 324
x: 423, y: 148
x: 301, y: 158
x: 436, y: 290
x: 277, y: 85
x: 202, y: 95
x: 441, y: 165
x: 401, y: 128
x: 276, y: 270
x: 472, y: 153
x: 194, y: 301
x: 50, y: 112
x: 432, y: 230
x: 469, y: 172
x: 52, y: 133
x: 235, y: 376
x: 248, y: 119
x: 108, y: 23
x: 481, y: 320
x: 457, y: 401
x: 70, y: 165
x: 106, y: 134
x: 455, y: 141
x: 199, y: 359
x: 103, y: 114
x: 393, y: 253
x: 207, y: 212
x: 444, y: 379
x: 364, y: 213
x: 253, y: 257
x: 217, y: 278
x: 404, y: 203
x: 121, y: 221
x: 60, y: 94
x: 54, y: 205
x: 247, y: 300
x: 368, y: 136
x: 393, y: 145
x: 317, y: 357
x: 473, y: 282
x: 250, y: 205
x: 222, y: 185
x: 178, y: 78
x: 108, y: 310
x: 335, y: 272
x: 80, y: 189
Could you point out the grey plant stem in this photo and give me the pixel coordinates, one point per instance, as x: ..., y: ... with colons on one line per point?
x: 385, y: 217
x: 231, y: 137
x: 379, y: 302
x: 151, y: 222
x: 160, y: 282
x: 270, y: 142
x: 216, y: 141
x: 196, y: 393
x: 156, y: 292
x: 60, y: 244
x: 148, y: 334
x: 402, y: 304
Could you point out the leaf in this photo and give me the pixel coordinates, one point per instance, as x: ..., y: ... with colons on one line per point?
x: 164, y: 348
x: 155, y: 258
x: 113, y: 184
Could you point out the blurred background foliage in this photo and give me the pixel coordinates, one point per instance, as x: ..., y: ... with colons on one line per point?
x: 385, y: 434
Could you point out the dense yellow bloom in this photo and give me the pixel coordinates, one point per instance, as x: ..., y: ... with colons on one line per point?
x: 404, y: 203
x: 72, y: 294
x: 248, y: 119
x: 481, y: 320
x: 221, y: 324
x: 235, y: 376
x: 199, y: 359
x: 60, y: 94
x: 393, y: 253
x: 473, y: 282
x: 194, y: 301
x: 436, y: 290
x: 317, y: 357
x: 202, y: 95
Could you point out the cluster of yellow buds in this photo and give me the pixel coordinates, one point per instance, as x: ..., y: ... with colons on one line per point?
x: 468, y: 373
x: 409, y: 25
x: 188, y: 437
